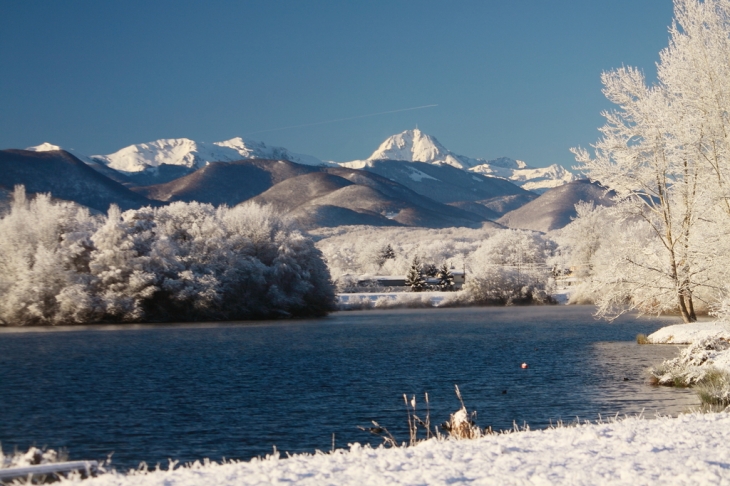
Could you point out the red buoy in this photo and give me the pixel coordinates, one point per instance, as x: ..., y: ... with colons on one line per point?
x: 524, y: 366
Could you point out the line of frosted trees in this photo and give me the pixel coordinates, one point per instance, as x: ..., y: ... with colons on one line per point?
x: 665, y: 150
x: 186, y: 261
x: 503, y: 266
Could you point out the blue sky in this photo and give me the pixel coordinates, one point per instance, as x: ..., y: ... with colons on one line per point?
x: 517, y: 78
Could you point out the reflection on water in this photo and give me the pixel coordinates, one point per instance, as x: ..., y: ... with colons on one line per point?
x: 233, y: 390
x: 620, y: 388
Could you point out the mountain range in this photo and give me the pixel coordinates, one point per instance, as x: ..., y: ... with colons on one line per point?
x: 410, y: 180
x: 416, y: 146
x: 167, y: 159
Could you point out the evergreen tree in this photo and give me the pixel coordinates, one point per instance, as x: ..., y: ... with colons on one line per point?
x: 430, y: 270
x: 446, y: 278
x: 414, y: 277
x: 386, y: 253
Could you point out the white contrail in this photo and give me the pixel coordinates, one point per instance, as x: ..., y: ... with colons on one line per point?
x: 341, y: 119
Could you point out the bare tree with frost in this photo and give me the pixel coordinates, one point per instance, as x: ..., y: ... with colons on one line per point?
x: 664, y: 151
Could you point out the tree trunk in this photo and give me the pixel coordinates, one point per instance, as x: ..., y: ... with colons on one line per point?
x: 686, y: 308
x: 683, y: 309
x: 691, y: 308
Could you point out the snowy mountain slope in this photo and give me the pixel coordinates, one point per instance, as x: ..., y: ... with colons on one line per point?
x: 194, y: 155
x: 529, y: 178
x: 165, y: 160
x: 556, y: 207
x: 447, y: 184
x: 416, y: 146
x: 248, y: 149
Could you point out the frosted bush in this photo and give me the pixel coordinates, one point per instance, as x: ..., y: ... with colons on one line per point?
x: 510, y: 268
x: 692, y: 365
x: 31, y: 457
x: 184, y: 261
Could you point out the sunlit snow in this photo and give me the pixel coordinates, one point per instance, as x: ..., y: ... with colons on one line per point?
x: 690, y: 449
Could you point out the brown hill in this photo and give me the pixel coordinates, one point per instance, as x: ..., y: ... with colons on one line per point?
x: 556, y: 207
x: 346, y: 196
x: 226, y: 182
x: 65, y: 177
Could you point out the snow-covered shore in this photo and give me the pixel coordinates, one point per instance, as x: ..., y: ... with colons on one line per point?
x: 689, y: 449
x: 705, y: 362
x: 708, y: 340
x: 690, y: 333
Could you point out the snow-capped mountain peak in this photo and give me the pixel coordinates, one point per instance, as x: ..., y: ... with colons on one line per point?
x: 49, y: 147
x: 171, y: 151
x: 249, y: 149
x: 411, y: 145
x: 189, y: 153
x: 44, y: 147
x: 416, y: 146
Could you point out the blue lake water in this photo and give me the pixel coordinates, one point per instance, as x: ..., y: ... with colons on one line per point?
x: 234, y: 390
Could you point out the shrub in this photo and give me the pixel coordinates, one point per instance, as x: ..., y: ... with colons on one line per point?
x: 642, y: 339
x: 692, y: 364
x: 714, y: 387
x: 184, y: 262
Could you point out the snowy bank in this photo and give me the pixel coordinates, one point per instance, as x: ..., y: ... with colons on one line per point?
x: 690, y: 449
x: 705, y: 363
x: 690, y: 333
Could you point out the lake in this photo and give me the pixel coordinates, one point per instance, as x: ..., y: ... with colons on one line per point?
x: 234, y: 390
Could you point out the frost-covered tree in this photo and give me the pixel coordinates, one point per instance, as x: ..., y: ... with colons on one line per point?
x: 654, y: 181
x: 429, y: 269
x: 446, y: 278
x: 414, y: 277
x: 509, y: 268
x: 43, y: 248
x: 664, y: 150
x: 580, y: 240
x: 122, y: 279
x: 384, y: 254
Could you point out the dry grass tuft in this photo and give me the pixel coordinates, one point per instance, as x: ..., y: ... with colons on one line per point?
x: 642, y: 339
x: 714, y: 388
x: 460, y: 425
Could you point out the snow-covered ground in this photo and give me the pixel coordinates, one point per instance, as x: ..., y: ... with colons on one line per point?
x: 562, y: 295
x: 690, y: 333
x: 689, y: 449
x: 392, y: 299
